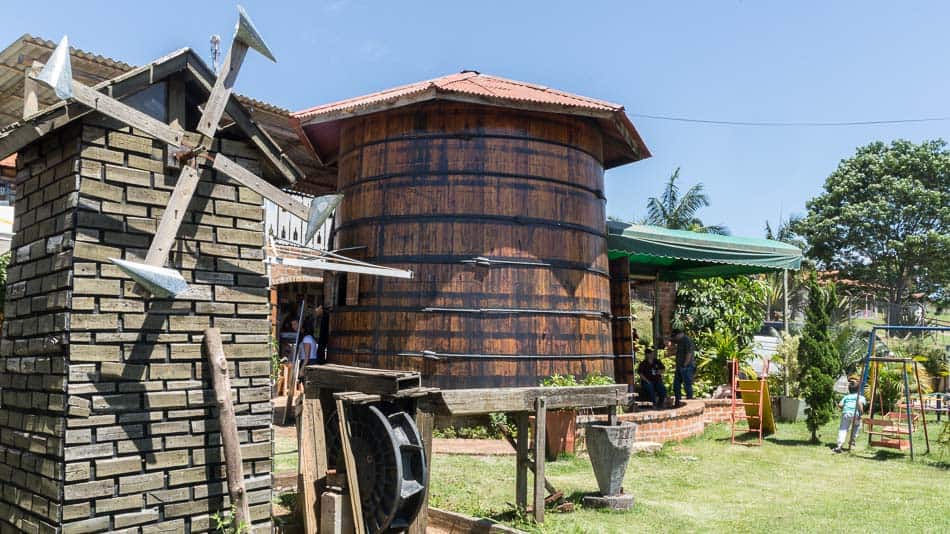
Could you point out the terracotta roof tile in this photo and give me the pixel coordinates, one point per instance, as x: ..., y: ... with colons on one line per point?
x: 466, y: 82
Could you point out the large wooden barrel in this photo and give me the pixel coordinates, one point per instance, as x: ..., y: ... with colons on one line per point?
x: 500, y: 215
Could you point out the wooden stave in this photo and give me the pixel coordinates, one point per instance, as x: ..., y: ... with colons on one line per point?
x: 395, y: 174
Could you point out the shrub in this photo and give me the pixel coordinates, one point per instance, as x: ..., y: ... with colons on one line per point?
x: 818, y: 358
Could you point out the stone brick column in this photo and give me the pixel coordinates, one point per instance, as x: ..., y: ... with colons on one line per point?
x: 110, y: 422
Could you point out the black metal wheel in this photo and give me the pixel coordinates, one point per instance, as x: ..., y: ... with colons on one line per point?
x: 390, y: 464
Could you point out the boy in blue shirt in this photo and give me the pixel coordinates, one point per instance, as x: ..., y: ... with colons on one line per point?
x: 852, y: 406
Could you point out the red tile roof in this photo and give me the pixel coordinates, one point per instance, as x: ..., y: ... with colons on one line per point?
x: 480, y: 88
x: 466, y: 82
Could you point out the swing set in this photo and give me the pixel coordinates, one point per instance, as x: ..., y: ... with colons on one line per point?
x: 894, y: 429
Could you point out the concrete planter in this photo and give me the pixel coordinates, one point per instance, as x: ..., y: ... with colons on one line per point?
x: 609, y: 448
x: 791, y: 409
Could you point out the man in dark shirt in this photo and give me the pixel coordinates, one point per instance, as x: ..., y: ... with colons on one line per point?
x: 651, y: 378
x: 685, y: 365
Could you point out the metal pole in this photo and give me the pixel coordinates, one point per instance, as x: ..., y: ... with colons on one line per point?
x: 910, y: 427
x: 656, y: 313
x: 864, y: 380
x: 923, y: 411
x: 785, y: 319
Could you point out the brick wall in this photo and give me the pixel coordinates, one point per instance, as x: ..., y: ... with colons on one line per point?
x: 136, y: 439
x: 717, y: 411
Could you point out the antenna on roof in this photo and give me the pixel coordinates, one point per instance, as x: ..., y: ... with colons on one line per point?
x: 215, y: 51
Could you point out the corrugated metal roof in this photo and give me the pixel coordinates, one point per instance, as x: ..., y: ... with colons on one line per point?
x: 92, y: 69
x: 466, y: 82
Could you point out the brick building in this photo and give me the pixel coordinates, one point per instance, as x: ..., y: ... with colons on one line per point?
x: 106, y: 421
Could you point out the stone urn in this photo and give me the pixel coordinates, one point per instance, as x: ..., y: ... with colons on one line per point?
x: 609, y: 448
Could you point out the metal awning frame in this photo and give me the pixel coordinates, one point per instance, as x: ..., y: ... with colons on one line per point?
x: 326, y: 260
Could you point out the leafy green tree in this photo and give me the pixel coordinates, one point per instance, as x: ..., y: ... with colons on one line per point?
x: 714, y: 304
x: 817, y: 358
x: 679, y: 211
x: 884, y: 219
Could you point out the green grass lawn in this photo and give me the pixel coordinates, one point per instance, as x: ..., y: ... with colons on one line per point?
x: 707, y: 484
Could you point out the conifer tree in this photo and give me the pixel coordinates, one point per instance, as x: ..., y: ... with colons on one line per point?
x: 817, y: 357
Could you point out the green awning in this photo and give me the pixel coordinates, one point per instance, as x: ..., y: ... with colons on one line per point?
x: 682, y: 255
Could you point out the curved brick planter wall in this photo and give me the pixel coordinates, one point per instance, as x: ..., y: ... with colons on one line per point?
x: 717, y: 411
x: 660, y: 426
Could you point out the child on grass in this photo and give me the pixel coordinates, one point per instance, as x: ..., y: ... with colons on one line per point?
x: 852, y: 406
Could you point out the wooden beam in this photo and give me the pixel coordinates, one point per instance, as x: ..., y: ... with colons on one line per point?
x: 424, y: 422
x: 480, y: 401
x: 521, y: 462
x: 259, y: 137
x: 172, y: 217
x: 221, y: 92
x: 352, y: 478
x: 177, y: 107
x: 364, y: 380
x: 218, y: 364
x: 273, y: 193
x: 126, y: 114
x: 311, y: 462
x: 31, y: 102
x: 540, y: 420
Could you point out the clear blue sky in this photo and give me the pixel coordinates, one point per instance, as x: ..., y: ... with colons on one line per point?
x: 728, y: 60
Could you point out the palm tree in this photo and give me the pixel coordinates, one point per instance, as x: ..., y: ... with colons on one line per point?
x: 678, y: 212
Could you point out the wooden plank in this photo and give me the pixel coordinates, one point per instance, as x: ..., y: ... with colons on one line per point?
x: 31, y: 102
x: 480, y: 401
x: 265, y: 188
x: 172, y: 217
x: 126, y: 114
x: 312, y: 462
x: 365, y: 380
x: 268, y: 147
x: 424, y: 423
x: 352, y: 479
x: 221, y: 92
x: 294, y: 365
x: 521, y: 462
x: 514, y: 445
x: 218, y: 364
x: 176, y: 102
x: 540, y: 419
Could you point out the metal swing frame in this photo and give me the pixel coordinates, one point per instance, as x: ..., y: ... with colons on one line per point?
x: 877, y: 360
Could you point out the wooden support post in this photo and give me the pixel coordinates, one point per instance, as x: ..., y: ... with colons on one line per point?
x: 540, y: 416
x: 521, y: 462
x: 424, y: 422
x: 31, y: 102
x: 514, y: 445
x: 229, y: 434
x: 311, y: 461
x: 294, y: 365
x: 352, y: 479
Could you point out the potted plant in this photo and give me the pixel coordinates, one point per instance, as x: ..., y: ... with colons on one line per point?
x: 560, y: 425
x: 791, y: 408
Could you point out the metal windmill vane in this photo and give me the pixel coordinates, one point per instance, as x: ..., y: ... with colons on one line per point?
x: 188, y: 149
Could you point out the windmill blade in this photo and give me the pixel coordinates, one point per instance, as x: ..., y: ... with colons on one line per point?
x: 247, y: 33
x: 315, y: 215
x: 159, y: 281
x: 57, y: 73
x: 245, y: 36
x: 320, y: 210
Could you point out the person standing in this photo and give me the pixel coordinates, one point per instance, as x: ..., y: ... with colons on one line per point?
x: 852, y: 406
x: 651, y: 378
x: 685, y: 365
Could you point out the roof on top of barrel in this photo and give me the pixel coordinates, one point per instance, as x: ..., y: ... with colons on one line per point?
x: 475, y: 87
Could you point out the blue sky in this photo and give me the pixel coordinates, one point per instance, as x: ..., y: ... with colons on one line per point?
x: 728, y: 60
